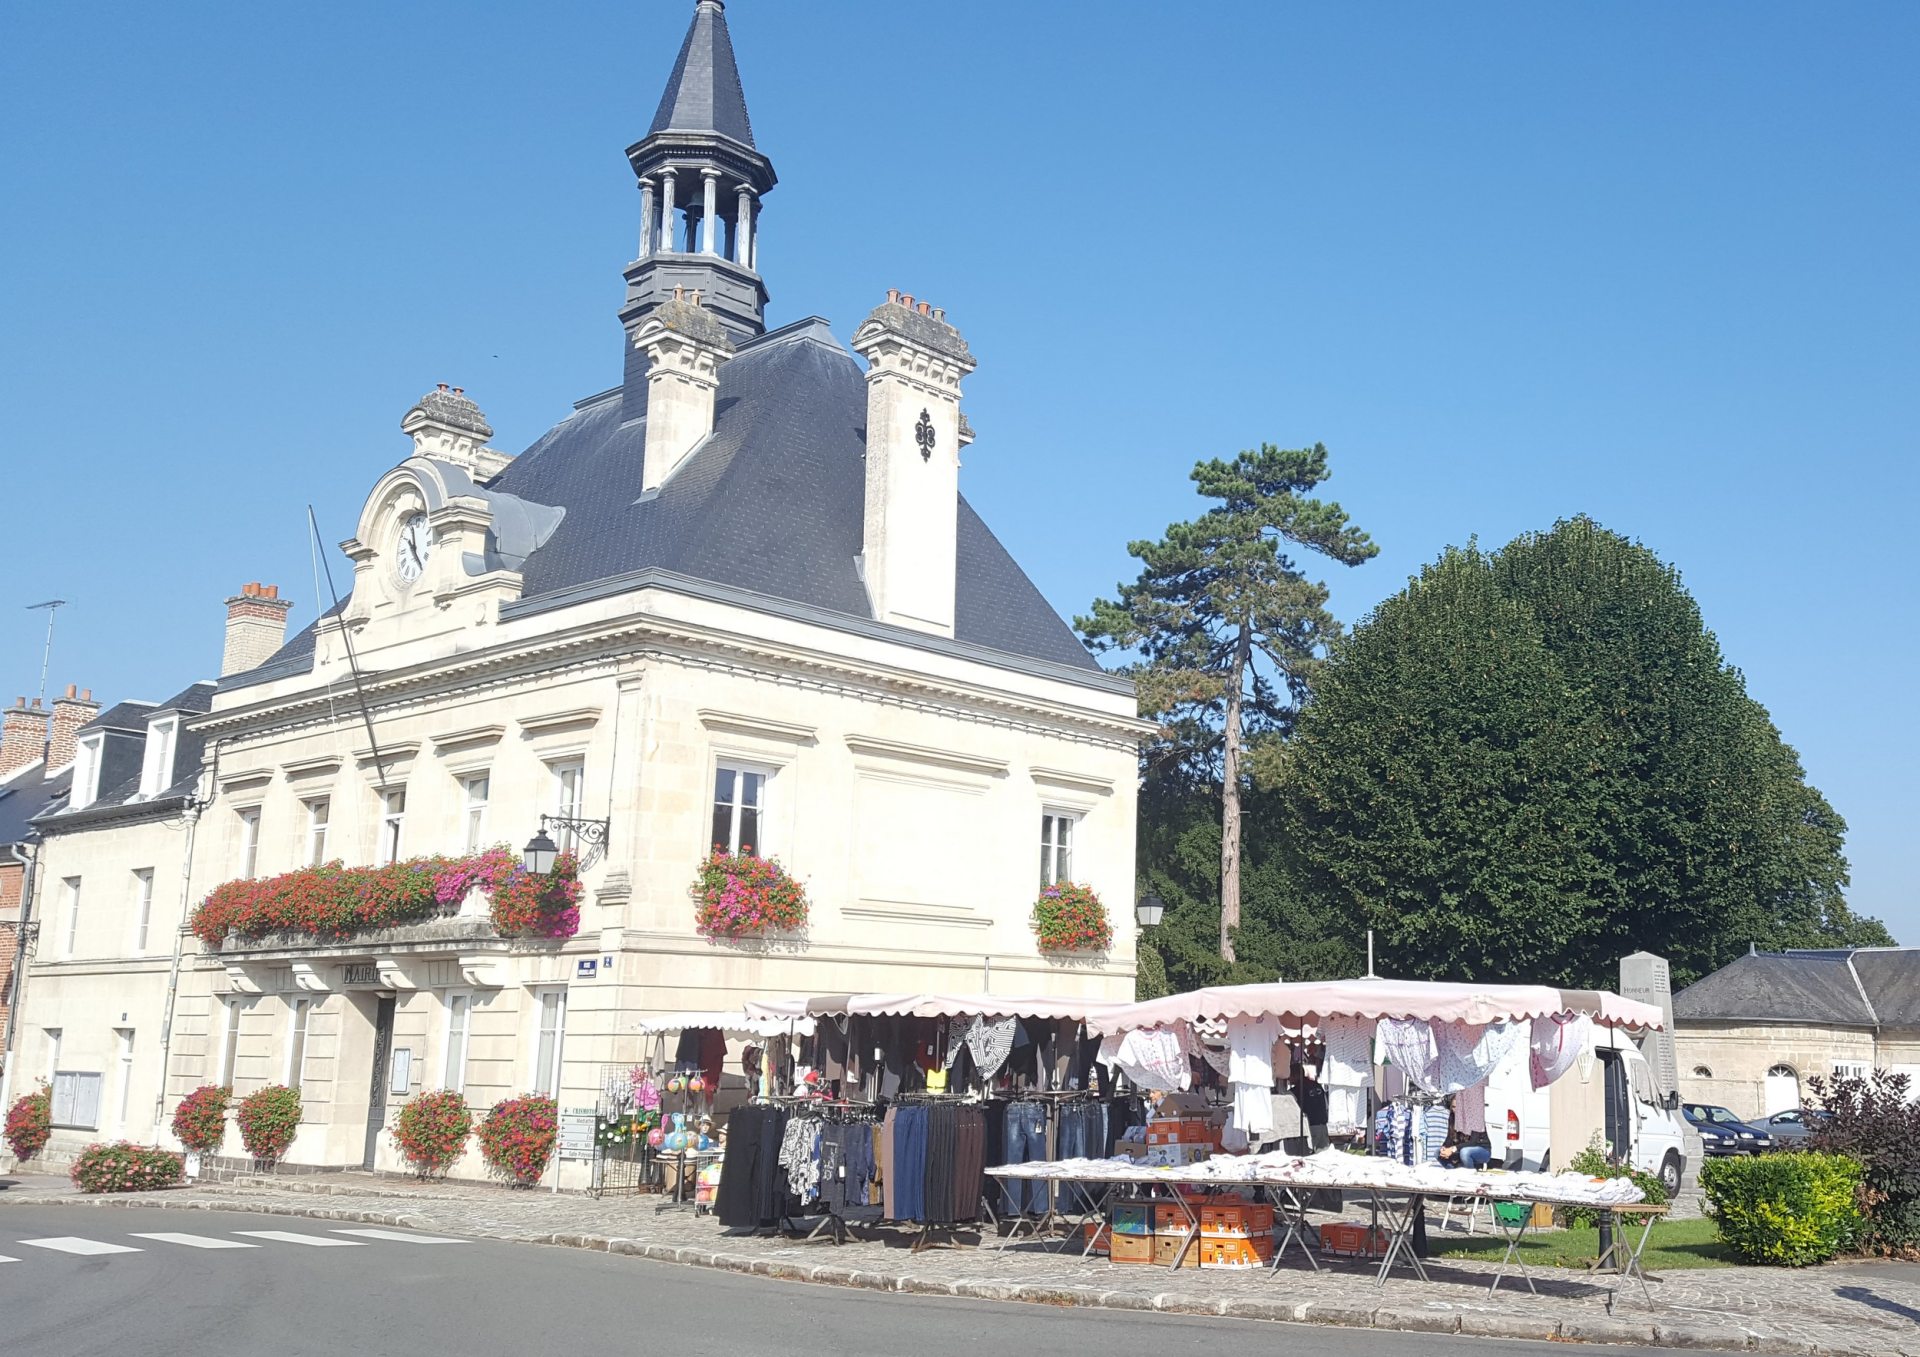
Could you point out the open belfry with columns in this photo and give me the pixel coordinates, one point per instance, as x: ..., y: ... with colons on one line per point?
x: 737, y: 599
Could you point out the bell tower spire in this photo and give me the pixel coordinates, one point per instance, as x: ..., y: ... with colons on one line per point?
x: 701, y: 182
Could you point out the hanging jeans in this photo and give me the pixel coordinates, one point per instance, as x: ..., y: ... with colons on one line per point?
x: 1083, y: 1135
x: 909, y: 1168
x: 1026, y: 1141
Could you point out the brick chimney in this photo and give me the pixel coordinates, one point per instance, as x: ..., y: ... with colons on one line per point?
x: 23, y: 735
x: 70, y: 712
x: 256, y: 627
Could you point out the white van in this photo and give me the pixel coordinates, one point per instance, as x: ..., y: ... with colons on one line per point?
x: 1609, y: 1093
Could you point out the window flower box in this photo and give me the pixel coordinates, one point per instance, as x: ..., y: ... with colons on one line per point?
x: 1069, y: 917
x: 738, y: 895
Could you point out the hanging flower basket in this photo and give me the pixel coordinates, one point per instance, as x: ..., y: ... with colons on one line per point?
x: 737, y: 895
x: 200, y: 1121
x: 337, y: 902
x: 1069, y: 917
x: 518, y: 1135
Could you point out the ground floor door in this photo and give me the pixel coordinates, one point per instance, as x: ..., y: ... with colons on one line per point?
x: 1783, y: 1090
x: 377, y: 1091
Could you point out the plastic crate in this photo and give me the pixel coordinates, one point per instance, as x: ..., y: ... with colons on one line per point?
x: 1352, y: 1239
x: 1236, y: 1219
x: 1132, y: 1217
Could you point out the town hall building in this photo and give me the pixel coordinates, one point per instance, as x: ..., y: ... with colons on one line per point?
x: 737, y: 600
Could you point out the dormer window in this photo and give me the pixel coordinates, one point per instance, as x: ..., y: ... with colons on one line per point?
x: 156, y: 768
x: 86, y: 771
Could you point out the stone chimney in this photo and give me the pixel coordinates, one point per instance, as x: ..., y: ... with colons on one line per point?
x: 914, y: 434
x: 256, y: 627
x: 70, y: 712
x: 685, y: 348
x: 447, y: 426
x: 23, y: 735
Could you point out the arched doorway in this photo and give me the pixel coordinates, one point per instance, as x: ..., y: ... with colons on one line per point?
x: 1783, y: 1090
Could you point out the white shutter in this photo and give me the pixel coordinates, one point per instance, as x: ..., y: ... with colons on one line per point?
x: 86, y: 1100
x: 61, y: 1110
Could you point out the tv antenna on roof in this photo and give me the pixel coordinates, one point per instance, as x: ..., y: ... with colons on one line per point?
x: 53, y: 606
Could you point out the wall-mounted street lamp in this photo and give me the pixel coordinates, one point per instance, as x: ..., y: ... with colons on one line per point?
x: 1149, y: 911
x: 540, y: 853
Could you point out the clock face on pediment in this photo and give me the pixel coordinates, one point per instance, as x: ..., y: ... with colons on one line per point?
x: 412, y: 545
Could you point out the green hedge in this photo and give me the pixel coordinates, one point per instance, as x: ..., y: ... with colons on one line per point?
x: 1790, y: 1209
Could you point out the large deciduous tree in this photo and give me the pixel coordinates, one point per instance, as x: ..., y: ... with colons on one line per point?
x: 1225, y: 627
x: 1530, y: 763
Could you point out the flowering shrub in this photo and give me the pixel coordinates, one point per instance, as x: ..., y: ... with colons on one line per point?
x: 201, y: 1119
x: 1876, y: 1121
x: 518, y: 1136
x: 432, y: 1130
x: 336, y: 902
x: 268, y: 1118
x: 738, y: 895
x: 1070, y: 918
x: 29, y: 1123
x: 126, y: 1168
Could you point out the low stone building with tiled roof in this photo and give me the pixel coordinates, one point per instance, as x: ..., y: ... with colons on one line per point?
x: 1748, y: 1036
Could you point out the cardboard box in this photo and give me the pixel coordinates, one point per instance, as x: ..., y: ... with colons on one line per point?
x: 1167, y: 1246
x: 1352, y: 1239
x: 1170, y: 1219
x: 1177, y: 1156
x: 1236, y: 1253
x: 1236, y: 1219
x: 1133, y: 1217
x: 1131, y: 1248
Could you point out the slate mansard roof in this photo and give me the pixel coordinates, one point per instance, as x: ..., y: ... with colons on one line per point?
x: 1864, y: 987
x: 123, y: 753
x: 772, y: 504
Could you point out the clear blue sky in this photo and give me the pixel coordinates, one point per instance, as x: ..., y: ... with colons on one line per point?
x: 1655, y: 263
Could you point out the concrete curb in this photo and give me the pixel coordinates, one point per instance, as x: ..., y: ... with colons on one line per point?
x: 1618, y: 1332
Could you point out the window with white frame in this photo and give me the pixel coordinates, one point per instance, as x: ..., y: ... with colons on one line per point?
x: 156, y: 763
x: 299, y: 1007
x: 235, y: 1006
x: 393, y: 819
x: 123, y: 1075
x: 549, y: 1035
x: 1056, y: 847
x: 85, y: 788
x: 319, y: 808
x: 71, y: 887
x: 453, y: 1069
x: 476, y: 790
x: 249, y: 821
x: 569, y: 778
x: 740, y: 808
x: 142, y: 907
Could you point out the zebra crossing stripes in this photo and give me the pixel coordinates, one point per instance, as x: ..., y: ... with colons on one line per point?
x: 315, y: 1241
x: 401, y: 1236
x: 67, y: 1243
x: 195, y: 1241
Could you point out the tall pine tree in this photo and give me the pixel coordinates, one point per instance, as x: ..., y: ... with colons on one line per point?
x: 1227, y: 629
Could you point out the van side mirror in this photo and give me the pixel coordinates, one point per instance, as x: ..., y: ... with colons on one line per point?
x: 1671, y: 1102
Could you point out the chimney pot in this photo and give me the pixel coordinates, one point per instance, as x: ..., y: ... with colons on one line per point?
x: 906, y: 300
x: 893, y: 294
x: 441, y: 385
x: 459, y: 391
x: 939, y: 313
x: 86, y: 694
x: 36, y: 702
x: 72, y: 689
x: 924, y: 308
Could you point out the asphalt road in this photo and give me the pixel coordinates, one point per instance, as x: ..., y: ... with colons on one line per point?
x: 97, y: 1281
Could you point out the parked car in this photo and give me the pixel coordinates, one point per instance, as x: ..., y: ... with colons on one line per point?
x: 1791, y: 1127
x: 1723, y: 1133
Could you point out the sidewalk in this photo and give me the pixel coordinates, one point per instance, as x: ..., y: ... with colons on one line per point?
x: 1836, y: 1310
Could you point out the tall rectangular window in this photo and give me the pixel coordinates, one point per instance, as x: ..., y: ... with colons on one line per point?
x: 393, y: 819
x: 54, y: 1034
x: 123, y: 1076
x: 318, y: 810
x: 739, y: 809
x: 156, y: 766
x: 477, y: 789
x: 548, y: 1041
x: 230, y: 1038
x: 568, y: 782
x: 453, y: 1074
x: 299, y: 1007
x: 1056, y: 849
x: 72, y: 889
x: 142, y: 907
x: 249, y: 817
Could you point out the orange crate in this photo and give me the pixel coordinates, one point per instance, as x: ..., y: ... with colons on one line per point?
x: 1101, y: 1235
x: 1131, y: 1248
x: 1236, y: 1253
x: 1237, y: 1220
x: 1166, y: 1246
x: 1170, y: 1219
x: 1347, y: 1237
x: 1163, y: 1132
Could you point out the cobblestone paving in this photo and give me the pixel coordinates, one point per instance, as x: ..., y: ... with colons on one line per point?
x: 1839, y: 1309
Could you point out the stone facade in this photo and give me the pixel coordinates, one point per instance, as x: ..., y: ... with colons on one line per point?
x: 1737, y: 1058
